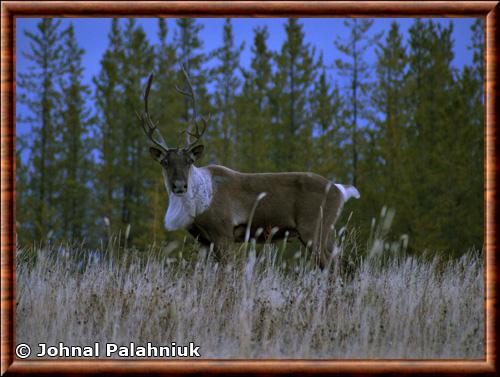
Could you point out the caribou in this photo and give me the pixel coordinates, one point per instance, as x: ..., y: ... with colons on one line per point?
x: 219, y: 206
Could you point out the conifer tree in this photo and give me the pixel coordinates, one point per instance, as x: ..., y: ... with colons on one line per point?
x: 189, y: 51
x: 108, y: 94
x: 477, y: 46
x: 254, y: 112
x: 39, y: 92
x: 227, y: 83
x: 125, y: 171
x: 430, y: 82
x: 167, y: 106
x: 24, y: 196
x: 466, y: 150
x: 293, y: 81
x: 464, y: 159
x: 357, y: 73
x: 328, y: 116
x: 390, y: 124
x: 164, y: 98
x: 135, y: 170
x: 75, y: 162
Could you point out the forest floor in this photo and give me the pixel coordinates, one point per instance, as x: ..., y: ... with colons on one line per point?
x: 375, y: 301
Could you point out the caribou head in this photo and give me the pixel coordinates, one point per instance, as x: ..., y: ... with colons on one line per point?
x: 176, y: 162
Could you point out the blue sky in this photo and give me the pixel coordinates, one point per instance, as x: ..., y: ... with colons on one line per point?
x: 92, y: 35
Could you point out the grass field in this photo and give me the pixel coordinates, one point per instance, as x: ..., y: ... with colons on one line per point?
x: 375, y: 301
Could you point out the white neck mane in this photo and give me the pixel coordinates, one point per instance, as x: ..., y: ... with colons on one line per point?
x: 182, y: 210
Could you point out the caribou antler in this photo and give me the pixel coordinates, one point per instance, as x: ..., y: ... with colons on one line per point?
x: 149, y: 128
x: 197, y: 134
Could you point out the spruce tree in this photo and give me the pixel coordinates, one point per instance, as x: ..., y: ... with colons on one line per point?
x: 467, y: 149
x: 75, y: 162
x: 390, y: 125
x: 167, y: 106
x: 463, y: 159
x: 227, y: 83
x: 108, y: 94
x: 254, y: 112
x: 164, y: 98
x: 24, y: 196
x: 430, y: 83
x: 39, y: 92
x: 477, y: 46
x: 135, y: 170
x: 189, y: 51
x: 329, y: 127
x: 356, y: 71
x: 293, y: 81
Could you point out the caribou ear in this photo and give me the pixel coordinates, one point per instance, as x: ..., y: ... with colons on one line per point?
x: 157, y: 154
x: 197, y: 152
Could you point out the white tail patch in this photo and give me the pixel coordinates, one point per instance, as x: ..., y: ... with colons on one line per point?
x: 348, y: 191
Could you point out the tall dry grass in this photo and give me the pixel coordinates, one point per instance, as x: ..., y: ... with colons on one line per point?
x: 375, y: 301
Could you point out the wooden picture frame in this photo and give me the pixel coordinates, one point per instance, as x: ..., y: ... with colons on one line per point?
x: 10, y: 10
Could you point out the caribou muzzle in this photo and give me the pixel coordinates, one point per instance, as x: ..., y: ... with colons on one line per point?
x: 179, y: 187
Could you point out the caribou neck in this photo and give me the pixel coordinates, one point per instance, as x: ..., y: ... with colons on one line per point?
x: 183, y: 209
